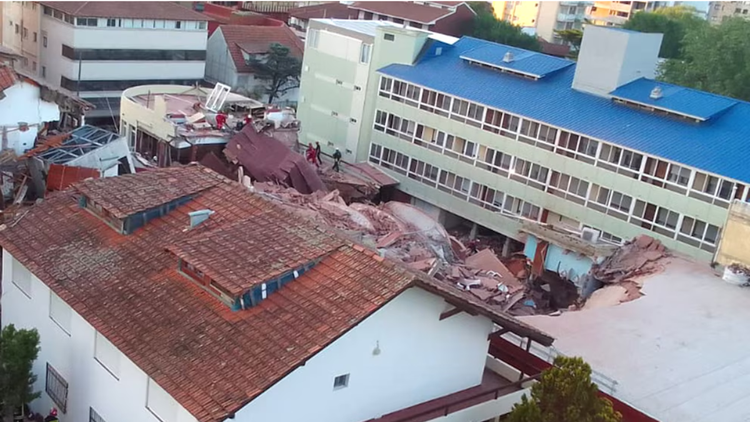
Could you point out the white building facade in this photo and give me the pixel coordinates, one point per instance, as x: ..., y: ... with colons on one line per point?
x: 402, y: 355
x: 20, y: 32
x: 23, y: 113
x: 108, y: 54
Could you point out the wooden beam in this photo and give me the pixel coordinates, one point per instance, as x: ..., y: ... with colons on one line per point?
x: 498, y: 333
x: 450, y: 313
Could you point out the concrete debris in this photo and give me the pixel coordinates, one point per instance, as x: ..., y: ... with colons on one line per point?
x: 635, y: 258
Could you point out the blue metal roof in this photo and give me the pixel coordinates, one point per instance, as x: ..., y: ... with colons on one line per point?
x: 720, y: 145
x: 674, y: 98
x: 524, y: 61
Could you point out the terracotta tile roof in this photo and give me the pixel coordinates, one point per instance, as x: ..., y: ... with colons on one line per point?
x: 257, y: 39
x: 331, y: 10
x: 131, y: 193
x: 8, y: 77
x: 262, y: 250
x: 421, y: 13
x: 126, y: 9
x: 212, y: 360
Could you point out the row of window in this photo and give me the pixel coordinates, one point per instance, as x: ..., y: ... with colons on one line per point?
x: 449, y: 182
x: 124, y: 23
x: 131, y: 54
x: 596, y: 197
x: 120, y: 85
x: 671, y: 176
x: 105, y: 353
x: 25, y: 32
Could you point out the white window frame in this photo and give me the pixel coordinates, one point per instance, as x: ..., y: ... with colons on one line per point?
x: 21, y: 277
x: 60, y: 312
x: 107, y: 355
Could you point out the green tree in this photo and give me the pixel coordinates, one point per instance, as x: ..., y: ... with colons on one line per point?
x: 673, y: 22
x: 485, y: 26
x: 278, y: 69
x: 565, y: 393
x: 715, y: 59
x: 572, y: 37
x: 18, y: 351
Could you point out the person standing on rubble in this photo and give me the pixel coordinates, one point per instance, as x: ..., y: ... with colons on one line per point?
x: 310, y: 154
x: 336, y: 160
x: 317, y: 153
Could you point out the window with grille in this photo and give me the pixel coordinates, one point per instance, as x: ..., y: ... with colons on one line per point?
x: 57, y: 388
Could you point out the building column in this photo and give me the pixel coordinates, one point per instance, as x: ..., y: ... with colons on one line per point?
x: 506, y: 247
x: 474, y: 230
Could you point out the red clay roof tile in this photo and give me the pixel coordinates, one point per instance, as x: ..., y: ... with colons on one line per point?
x: 209, y: 358
x: 406, y: 10
x: 126, y: 9
x: 255, y: 39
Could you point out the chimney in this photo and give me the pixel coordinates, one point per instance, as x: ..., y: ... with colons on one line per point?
x: 197, y: 217
x: 656, y: 93
x: 508, y: 57
x: 612, y: 57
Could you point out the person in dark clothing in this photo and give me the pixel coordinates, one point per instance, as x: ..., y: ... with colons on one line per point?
x: 317, y: 153
x: 336, y: 160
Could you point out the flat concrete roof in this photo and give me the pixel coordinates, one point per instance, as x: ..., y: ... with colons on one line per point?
x: 681, y: 353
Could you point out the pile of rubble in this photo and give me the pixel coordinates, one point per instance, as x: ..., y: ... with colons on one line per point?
x: 622, y: 273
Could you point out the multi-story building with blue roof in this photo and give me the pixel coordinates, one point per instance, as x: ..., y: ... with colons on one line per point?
x: 517, y: 141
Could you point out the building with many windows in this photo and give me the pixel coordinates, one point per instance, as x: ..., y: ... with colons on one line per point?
x: 501, y: 136
x: 718, y: 11
x: 20, y: 33
x: 545, y: 16
x: 99, y: 49
x: 616, y: 13
x: 148, y: 309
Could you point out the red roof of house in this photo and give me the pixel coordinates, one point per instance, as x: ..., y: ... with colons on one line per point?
x: 422, y: 13
x: 210, y: 359
x: 8, y: 77
x: 331, y: 10
x: 126, y: 9
x: 255, y: 39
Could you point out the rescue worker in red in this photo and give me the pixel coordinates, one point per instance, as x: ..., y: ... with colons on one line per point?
x: 52, y: 417
x: 310, y: 154
x: 221, y: 120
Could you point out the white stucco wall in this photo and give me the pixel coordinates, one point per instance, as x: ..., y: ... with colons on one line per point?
x: 421, y: 358
x: 89, y: 383
x: 219, y: 64
x: 22, y: 104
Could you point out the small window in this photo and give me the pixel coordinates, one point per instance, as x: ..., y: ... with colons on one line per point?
x: 389, y: 37
x: 44, y: 71
x: 111, y: 23
x: 60, y: 312
x: 94, y: 416
x: 201, y: 25
x: 364, y: 54
x: 44, y: 41
x: 158, y: 402
x: 22, y: 278
x: 33, y: 66
x: 341, y: 381
x: 35, y: 37
x: 57, y: 388
x: 178, y: 24
x: 107, y: 355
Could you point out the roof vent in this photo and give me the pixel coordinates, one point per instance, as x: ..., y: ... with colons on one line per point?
x: 656, y: 93
x: 508, y: 57
x: 197, y: 217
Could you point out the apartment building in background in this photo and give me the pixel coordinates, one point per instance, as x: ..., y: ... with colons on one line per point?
x: 148, y: 309
x: 718, y: 11
x: 499, y: 136
x: 98, y: 49
x: 545, y: 16
x: 616, y: 13
x: 21, y: 33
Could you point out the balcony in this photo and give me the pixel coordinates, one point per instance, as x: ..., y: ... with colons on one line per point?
x: 502, y: 386
x: 568, y: 17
